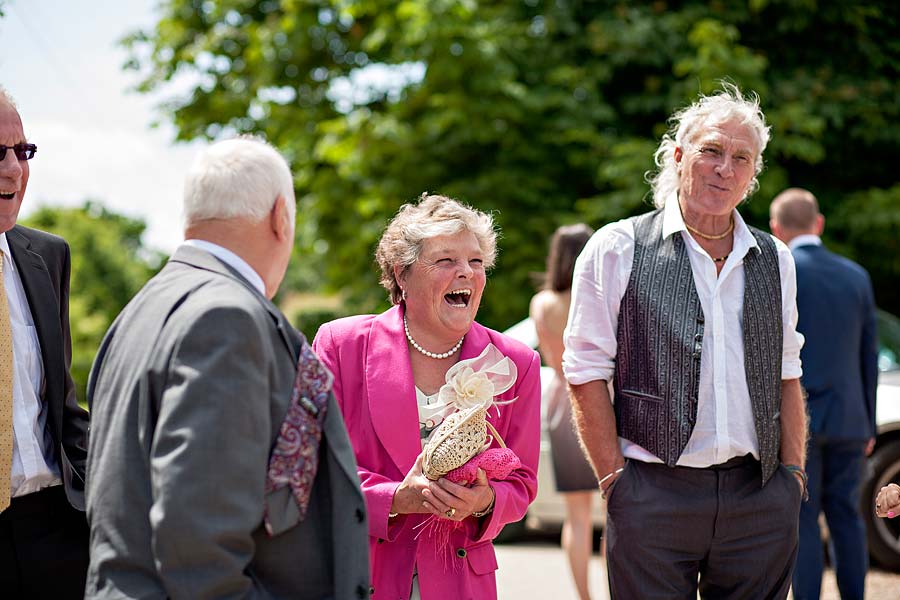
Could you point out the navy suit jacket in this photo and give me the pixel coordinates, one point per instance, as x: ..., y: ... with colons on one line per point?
x: 836, y: 309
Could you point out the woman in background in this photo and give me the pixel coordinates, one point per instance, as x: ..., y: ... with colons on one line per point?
x: 575, y: 478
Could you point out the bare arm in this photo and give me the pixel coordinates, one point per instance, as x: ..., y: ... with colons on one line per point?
x: 595, y: 420
x: 794, y: 427
x: 550, y: 311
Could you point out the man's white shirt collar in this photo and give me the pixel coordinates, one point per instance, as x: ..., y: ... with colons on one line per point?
x: 673, y: 222
x: 232, y: 260
x: 4, y: 245
x: 806, y: 239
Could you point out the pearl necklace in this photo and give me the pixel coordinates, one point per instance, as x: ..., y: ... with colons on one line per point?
x: 415, y: 345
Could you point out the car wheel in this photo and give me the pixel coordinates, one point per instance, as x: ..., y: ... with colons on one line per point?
x: 883, y: 534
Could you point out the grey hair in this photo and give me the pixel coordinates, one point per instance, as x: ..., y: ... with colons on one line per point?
x: 401, y: 243
x: 726, y: 105
x: 7, y: 98
x: 237, y: 178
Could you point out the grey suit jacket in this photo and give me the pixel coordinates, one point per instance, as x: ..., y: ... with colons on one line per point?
x: 188, y: 394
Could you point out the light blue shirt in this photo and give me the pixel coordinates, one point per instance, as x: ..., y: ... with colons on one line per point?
x: 232, y: 260
x: 806, y: 239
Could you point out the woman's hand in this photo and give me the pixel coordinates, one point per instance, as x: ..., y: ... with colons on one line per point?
x: 412, y: 493
x: 887, y: 503
x: 458, y: 501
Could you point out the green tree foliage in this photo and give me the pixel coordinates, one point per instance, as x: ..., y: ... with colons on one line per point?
x: 543, y: 111
x: 109, y: 265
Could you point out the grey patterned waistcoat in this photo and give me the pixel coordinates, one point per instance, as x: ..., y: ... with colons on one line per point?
x: 660, y: 336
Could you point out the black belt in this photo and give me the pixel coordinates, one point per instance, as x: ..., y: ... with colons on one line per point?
x: 746, y: 460
x: 39, y: 502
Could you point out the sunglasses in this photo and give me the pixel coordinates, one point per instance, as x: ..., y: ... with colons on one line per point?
x: 22, y: 151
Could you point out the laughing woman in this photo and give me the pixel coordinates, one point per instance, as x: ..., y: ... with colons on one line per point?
x: 391, y: 380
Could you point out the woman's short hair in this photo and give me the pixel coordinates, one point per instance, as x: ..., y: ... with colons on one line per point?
x: 237, y: 178
x: 433, y: 215
x: 566, y: 244
x: 726, y: 105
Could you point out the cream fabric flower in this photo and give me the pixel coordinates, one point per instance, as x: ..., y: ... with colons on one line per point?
x: 468, y: 389
x: 474, y: 382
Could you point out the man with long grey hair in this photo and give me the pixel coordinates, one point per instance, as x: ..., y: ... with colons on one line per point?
x: 691, y: 314
x: 219, y: 463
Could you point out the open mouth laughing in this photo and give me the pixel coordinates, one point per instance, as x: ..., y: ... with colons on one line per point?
x: 7, y: 195
x: 458, y: 298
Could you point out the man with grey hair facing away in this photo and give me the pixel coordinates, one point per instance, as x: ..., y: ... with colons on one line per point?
x: 840, y: 373
x: 219, y: 463
x: 691, y: 314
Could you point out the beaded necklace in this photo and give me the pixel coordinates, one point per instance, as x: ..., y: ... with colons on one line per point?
x: 415, y: 344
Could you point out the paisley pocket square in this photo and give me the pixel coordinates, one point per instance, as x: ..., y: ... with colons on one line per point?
x: 295, y: 457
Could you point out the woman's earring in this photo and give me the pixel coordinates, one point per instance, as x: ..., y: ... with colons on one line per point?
x: 402, y: 293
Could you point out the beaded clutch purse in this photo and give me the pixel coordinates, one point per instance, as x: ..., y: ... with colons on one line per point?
x: 461, y: 436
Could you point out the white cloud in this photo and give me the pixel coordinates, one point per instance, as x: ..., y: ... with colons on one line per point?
x: 131, y: 172
x: 93, y: 135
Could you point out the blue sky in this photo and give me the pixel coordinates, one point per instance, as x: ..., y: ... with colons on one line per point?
x: 61, y: 63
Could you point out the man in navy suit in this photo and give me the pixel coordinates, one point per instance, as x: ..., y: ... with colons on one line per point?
x: 837, y: 316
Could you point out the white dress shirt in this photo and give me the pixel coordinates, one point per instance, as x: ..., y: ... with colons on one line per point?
x: 232, y: 260
x: 725, y: 425
x: 33, y: 465
x: 806, y: 239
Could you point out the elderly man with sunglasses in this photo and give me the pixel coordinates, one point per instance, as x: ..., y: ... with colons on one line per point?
x: 43, y: 432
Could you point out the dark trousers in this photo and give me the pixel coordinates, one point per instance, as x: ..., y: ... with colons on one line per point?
x: 674, y: 531
x: 835, y: 473
x: 43, y: 547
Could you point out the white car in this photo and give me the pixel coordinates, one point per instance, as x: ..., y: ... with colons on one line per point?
x: 548, y: 510
x: 883, y: 467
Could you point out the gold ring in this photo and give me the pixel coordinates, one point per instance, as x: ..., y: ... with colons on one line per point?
x: 450, y: 512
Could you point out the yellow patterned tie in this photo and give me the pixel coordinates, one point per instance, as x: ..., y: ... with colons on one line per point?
x: 6, y: 395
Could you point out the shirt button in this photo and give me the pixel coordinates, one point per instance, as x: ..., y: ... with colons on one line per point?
x: 461, y: 552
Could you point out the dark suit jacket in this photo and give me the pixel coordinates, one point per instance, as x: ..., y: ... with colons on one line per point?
x: 44, y: 264
x: 840, y: 356
x: 188, y: 392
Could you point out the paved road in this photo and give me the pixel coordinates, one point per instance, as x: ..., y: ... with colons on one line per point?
x: 537, y: 570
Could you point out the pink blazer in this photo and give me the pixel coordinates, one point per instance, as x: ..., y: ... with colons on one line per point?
x: 374, y: 387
